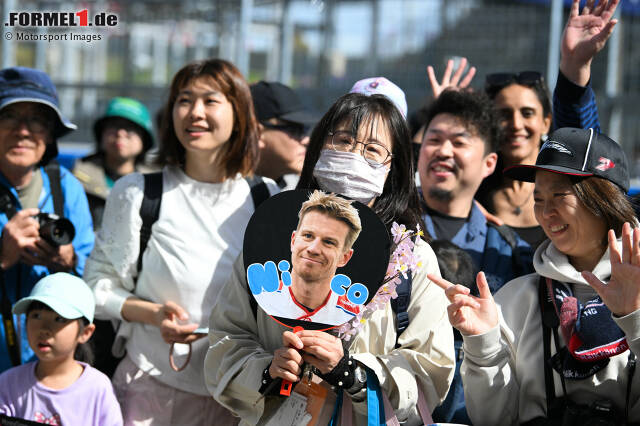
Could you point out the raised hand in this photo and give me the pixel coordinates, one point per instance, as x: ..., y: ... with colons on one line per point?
x: 584, y: 36
x: 469, y: 314
x: 622, y: 293
x: 449, y: 82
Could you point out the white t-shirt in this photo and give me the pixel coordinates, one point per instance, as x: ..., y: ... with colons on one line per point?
x: 197, y: 237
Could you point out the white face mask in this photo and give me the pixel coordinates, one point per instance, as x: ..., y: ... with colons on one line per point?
x: 349, y: 174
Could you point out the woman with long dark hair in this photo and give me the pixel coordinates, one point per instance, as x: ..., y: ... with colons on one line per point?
x: 360, y: 149
x: 395, y: 198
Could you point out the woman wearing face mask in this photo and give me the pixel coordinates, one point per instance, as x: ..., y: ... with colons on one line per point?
x: 360, y: 149
x: 553, y: 347
x: 208, y: 144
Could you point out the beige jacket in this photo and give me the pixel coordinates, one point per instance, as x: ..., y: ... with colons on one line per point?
x: 503, y: 371
x: 241, y: 348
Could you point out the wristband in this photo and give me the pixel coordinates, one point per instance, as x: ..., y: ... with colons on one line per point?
x: 342, y: 375
x: 266, y: 381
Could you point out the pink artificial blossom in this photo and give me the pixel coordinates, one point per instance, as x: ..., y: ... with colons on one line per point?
x: 403, y: 260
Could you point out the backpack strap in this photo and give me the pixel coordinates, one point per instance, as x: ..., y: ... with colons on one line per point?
x: 510, y: 236
x: 259, y: 193
x: 53, y: 172
x: 10, y: 335
x: 400, y: 305
x: 631, y: 363
x: 149, y: 210
x: 259, y: 190
x: 506, y: 233
x: 549, y: 319
x: 550, y: 324
x: 8, y: 207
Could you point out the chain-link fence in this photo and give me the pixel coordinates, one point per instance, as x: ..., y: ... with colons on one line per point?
x: 320, y: 47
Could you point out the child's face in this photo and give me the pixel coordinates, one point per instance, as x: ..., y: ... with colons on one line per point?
x: 51, y: 336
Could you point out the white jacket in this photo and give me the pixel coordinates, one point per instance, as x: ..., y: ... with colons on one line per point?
x: 241, y: 348
x: 503, y: 370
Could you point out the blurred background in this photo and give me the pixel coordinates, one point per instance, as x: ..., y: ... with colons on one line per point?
x: 320, y: 48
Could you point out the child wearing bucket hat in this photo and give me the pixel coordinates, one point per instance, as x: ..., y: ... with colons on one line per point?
x: 57, y: 388
x: 123, y: 137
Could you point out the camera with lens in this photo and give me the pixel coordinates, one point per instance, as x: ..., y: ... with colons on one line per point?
x: 55, y: 230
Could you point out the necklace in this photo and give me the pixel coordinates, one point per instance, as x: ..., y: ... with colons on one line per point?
x: 517, y: 208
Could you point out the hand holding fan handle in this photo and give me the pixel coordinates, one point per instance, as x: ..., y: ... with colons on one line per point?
x: 287, y: 386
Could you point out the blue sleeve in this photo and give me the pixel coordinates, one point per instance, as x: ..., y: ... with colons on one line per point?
x: 574, y: 106
x: 76, y: 209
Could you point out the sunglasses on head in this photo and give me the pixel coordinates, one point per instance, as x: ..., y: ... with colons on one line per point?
x: 503, y: 79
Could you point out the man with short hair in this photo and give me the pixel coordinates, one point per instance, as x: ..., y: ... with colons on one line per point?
x: 284, y: 132
x: 30, y: 122
x: 458, y: 151
x: 322, y: 242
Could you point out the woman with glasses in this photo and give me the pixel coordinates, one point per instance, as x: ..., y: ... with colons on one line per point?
x: 360, y: 149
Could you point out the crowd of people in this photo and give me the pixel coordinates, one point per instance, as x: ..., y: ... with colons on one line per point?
x: 124, y: 290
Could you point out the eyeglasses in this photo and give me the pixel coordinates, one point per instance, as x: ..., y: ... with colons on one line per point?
x: 36, y: 124
x: 295, y: 131
x: 375, y: 153
x: 497, y: 81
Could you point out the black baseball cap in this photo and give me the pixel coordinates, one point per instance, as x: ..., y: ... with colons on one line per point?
x: 578, y: 152
x: 275, y: 100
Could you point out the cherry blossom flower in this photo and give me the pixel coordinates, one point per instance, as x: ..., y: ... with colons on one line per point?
x: 403, y: 260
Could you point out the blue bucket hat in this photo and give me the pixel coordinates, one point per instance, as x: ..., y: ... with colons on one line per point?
x: 21, y: 84
x: 66, y: 294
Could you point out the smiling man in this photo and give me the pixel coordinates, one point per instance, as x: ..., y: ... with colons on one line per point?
x: 30, y: 122
x: 328, y: 226
x: 458, y: 151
